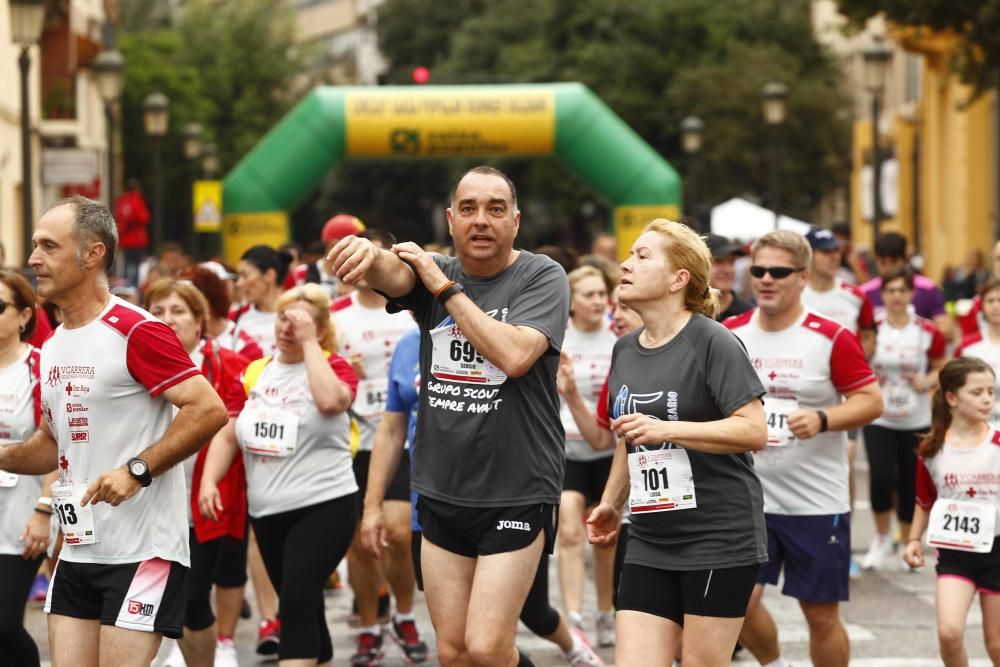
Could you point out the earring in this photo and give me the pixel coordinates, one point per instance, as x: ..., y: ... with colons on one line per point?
x: 20, y: 328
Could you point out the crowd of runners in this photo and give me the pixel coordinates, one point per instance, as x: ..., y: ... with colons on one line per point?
x: 446, y: 419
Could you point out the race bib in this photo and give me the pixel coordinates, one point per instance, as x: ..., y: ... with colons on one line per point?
x: 962, y: 525
x: 270, y: 432
x: 76, y: 521
x: 900, y: 400
x: 8, y: 479
x: 777, y: 411
x: 372, y: 396
x: 454, y: 358
x: 661, y: 481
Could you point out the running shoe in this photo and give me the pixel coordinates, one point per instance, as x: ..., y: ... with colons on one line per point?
x: 605, y: 629
x: 268, y: 637
x: 175, y: 658
x: 575, y: 620
x: 369, y: 651
x: 39, y: 589
x: 582, y: 654
x: 407, y: 636
x: 225, y: 653
x: 881, y: 547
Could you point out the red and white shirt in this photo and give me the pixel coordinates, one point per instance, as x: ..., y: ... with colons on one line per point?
x: 962, y: 474
x: 844, y: 303
x: 979, y: 345
x: 373, y: 333
x: 239, y: 342
x: 900, y: 354
x: 809, y: 366
x: 19, y: 415
x: 258, y: 325
x: 101, y: 398
x: 590, y: 352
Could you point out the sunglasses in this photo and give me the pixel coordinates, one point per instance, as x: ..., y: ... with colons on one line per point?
x: 777, y: 272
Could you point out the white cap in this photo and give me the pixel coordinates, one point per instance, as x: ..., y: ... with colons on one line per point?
x: 219, y: 270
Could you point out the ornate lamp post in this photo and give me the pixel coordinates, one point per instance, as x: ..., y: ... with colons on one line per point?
x: 692, y: 135
x: 877, y: 57
x: 109, y: 70
x: 156, y: 118
x: 774, y: 104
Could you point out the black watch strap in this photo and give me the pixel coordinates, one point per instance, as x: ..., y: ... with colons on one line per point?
x: 139, y: 470
x: 449, y: 291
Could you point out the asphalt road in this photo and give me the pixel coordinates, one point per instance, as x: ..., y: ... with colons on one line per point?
x: 890, y: 618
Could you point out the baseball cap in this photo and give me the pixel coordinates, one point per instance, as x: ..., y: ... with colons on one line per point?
x: 722, y: 246
x: 822, y: 239
x: 219, y: 270
x: 341, y: 225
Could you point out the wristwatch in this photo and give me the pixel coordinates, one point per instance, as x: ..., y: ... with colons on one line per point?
x: 139, y: 471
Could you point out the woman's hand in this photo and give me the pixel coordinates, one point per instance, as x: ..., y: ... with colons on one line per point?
x: 209, y: 500
x: 565, y: 378
x: 639, y: 429
x: 303, y: 325
x: 36, y: 536
x: 603, y: 524
x: 913, y: 554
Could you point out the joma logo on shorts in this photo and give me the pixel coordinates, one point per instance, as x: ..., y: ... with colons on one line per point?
x: 513, y: 525
x: 136, y: 607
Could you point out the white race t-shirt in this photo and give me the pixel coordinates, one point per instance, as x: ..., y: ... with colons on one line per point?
x: 844, y: 303
x: 591, y: 355
x: 809, y: 365
x: 101, y: 397
x: 320, y: 468
x: 979, y: 345
x: 900, y: 354
x: 18, y: 493
x: 372, y: 333
x: 962, y: 474
x: 259, y: 326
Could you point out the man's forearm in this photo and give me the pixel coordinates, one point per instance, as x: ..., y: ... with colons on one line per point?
x: 390, y: 275
x: 38, y: 455
x: 386, y: 455
x: 509, y: 348
x: 193, y: 427
x: 860, y: 409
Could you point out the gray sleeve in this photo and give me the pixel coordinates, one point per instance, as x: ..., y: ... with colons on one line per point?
x: 729, y: 375
x: 542, y: 302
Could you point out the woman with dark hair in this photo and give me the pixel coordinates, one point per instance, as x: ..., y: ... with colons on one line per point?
x: 262, y: 271
x: 218, y: 326
x: 958, y: 499
x: 908, y: 354
x: 25, y: 500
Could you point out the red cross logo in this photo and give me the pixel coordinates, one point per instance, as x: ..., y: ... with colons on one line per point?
x: 971, y: 492
x: 772, y: 375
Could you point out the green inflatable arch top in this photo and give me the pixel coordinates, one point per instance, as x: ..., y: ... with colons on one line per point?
x: 334, y: 123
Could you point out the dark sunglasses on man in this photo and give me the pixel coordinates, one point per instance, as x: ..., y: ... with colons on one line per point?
x: 777, y: 272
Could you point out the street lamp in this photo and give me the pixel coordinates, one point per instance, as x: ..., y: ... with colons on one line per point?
x: 210, y: 161
x: 191, y: 135
x: 774, y: 101
x: 109, y: 70
x: 156, y: 118
x: 877, y: 57
x: 27, y: 18
x: 692, y: 133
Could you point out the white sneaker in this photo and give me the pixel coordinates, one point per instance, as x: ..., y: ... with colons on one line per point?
x: 175, y: 658
x: 881, y: 547
x: 582, y: 655
x: 605, y: 629
x: 225, y: 654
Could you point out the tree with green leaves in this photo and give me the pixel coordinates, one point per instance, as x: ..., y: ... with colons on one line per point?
x: 976, y: 24
x: 653, y: 63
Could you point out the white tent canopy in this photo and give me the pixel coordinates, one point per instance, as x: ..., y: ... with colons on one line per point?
x: 744, y: 221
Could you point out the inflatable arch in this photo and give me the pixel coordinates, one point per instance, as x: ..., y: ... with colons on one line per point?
x: 336, y: 123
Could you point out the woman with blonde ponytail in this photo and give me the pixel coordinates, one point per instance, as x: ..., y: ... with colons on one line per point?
x: 958, y: 503
x: 685, y: 403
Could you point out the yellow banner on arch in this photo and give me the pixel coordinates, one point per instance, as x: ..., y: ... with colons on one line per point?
x: 630, y: 220
x: 451, y: 123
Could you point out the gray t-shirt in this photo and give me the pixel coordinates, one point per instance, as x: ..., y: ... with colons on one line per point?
x: 486, y: 440
x: 703, y: 374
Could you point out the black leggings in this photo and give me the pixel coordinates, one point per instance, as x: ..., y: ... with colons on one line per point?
x: 892, y: 463
x: 536, y: 614
x: 222, y: 561
x: 16, y: 576
x: 300, y: 549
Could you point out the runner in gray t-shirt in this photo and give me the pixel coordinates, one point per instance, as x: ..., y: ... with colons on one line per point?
x: 488, y: 466
x: 685, y: 399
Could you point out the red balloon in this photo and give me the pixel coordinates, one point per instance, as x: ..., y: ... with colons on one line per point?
x: 421, y: 75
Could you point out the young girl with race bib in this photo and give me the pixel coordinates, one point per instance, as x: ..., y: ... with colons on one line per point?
x: 958, y: 497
